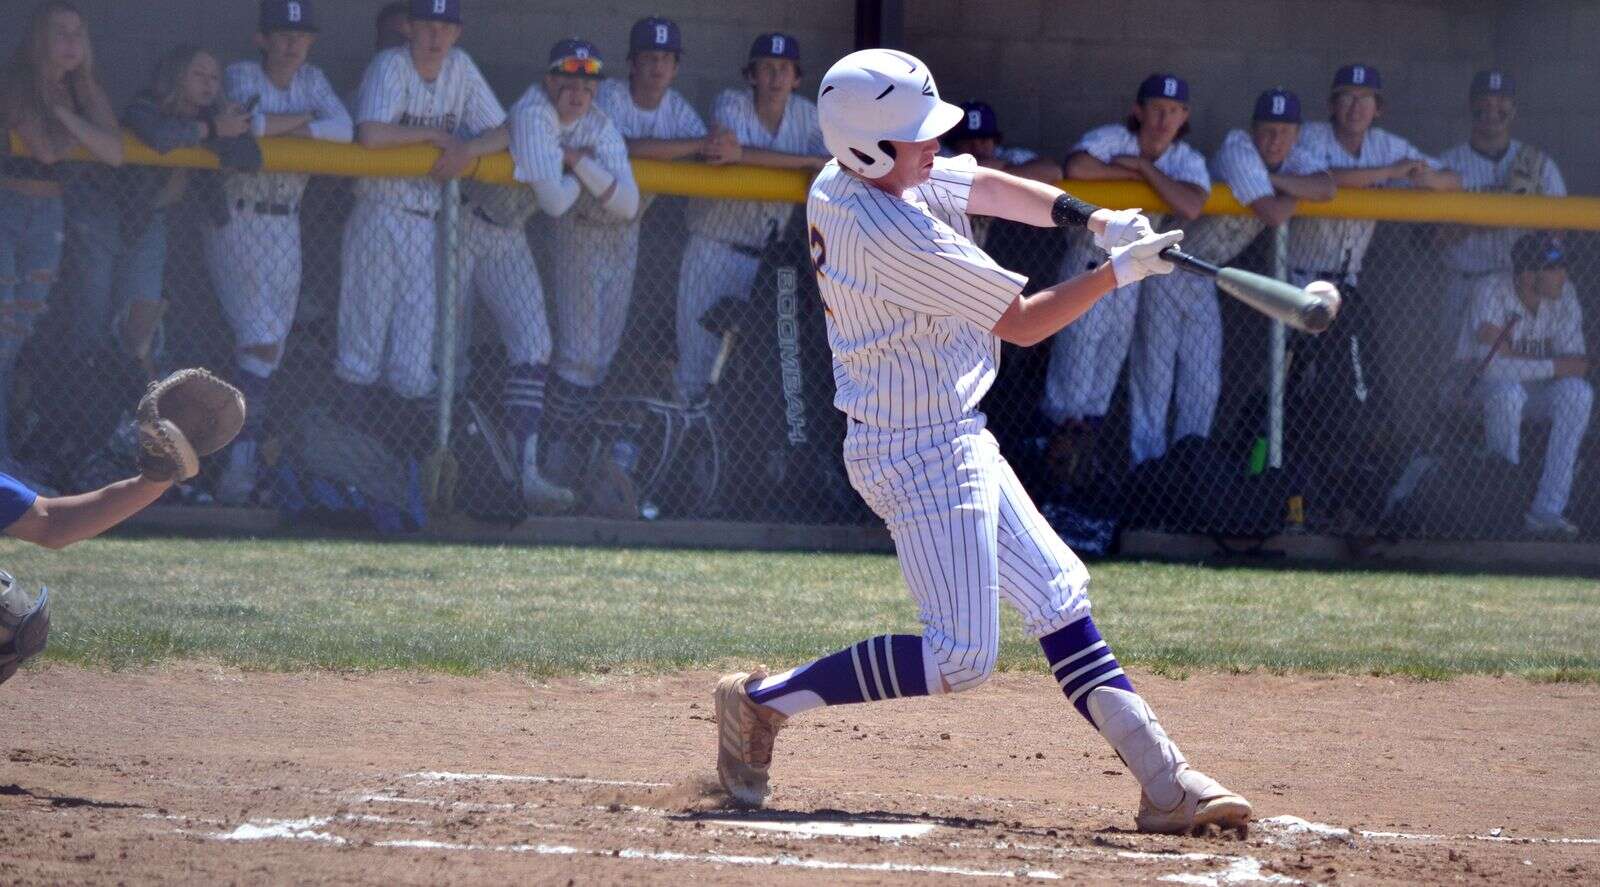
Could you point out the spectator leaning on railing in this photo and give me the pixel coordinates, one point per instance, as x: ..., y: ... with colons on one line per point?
x: 1177, y: 347
x: 50, y: 99
x: 254, y: 256
x: 1528, y: 324
x: 1086, y: 358
x: 427, y: 92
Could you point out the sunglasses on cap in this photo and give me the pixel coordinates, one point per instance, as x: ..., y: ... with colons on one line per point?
x: 574, y: 65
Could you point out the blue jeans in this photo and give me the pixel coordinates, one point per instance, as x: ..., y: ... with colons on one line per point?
x: 30, y: 255
x: 115, y: 268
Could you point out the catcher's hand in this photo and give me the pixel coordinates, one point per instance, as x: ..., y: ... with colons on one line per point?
x: 189, y: 414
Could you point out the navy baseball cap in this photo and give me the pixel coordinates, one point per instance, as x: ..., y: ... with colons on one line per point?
x: 1537, y: 251
x: 1358, y: 75
x: 655, y: 33
x: 978, y: 121
x: 286, y: 15
x: 1164, y: 86
x: 436, y: 11
x: 1277, y: 105
x: 1493, y: 82
x: 775, y: 46
x: 574, y: 56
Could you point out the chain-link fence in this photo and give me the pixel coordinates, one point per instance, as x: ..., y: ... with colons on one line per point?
x: 652, y: 384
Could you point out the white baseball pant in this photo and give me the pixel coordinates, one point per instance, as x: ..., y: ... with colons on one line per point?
x: 1564, y: 403
x: 1177, y: 356
x: 1086, y: 358
x: 966, y: 535
x: 255, y: 265
x: 712, y: 271
x: 495, y: 265
x: 593, y: 268
x: 388, y: 302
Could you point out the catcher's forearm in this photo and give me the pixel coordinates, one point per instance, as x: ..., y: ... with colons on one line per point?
x: 60, y: 521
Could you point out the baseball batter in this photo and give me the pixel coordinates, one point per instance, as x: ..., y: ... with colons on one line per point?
x: 916, y: 314
x: 561, y: 137
x: 1538, y: 371
x: 1490, y: 161
x: 255, y: 258
x: 773, y: 127
x: 1176, y: 364
x: 1086, y: 358
x: 426, y: 92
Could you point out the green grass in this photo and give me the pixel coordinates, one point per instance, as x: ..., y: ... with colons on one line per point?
x: 284, y: 604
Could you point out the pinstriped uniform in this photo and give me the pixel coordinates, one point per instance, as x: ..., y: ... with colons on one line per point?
x: 388, y: 293
x: 1334, y: 248
x: 1086, y: 358
x: 674, y: 118
x: 255, y: 259
x: 911, y: 303
x: 594, y: 252
x: 726, y: 237
x: 1176, y: 364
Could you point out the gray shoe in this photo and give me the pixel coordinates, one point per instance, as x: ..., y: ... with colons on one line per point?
x: 540, y: 495
x: 1549, y: 525
x: 1204, y: 803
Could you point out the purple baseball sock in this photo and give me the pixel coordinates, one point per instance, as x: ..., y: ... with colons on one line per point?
x: 889, y: 666
x: 1081, y: 660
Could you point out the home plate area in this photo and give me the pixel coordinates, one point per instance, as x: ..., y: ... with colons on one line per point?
x: 603, y: 828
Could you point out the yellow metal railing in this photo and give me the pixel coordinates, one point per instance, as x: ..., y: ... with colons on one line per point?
x: 758, y: 183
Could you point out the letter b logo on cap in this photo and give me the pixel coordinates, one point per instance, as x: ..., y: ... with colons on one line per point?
x: 1279, y: 105
x: 1358, y: 76
x: 1169, y: 87
x: 661, y: 35
x: 974, y: 120
x: 295, y: 15
x: 777, y: 45
x: 440, y: 7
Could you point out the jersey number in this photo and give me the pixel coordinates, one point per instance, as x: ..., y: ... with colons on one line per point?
x: 819, y: 250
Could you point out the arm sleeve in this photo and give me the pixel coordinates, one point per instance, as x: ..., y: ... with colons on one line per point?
x: 556, y: 196
x: 1302, y: 162
x: 612, y: 153
x: 483, y: 111
x: 924, y: 268
x: 535, y: 150
x: 1189, y: 165
x: 158, y: 130
x: 15, y: 500
x: 1239, y: 165
x: 950, y: 185
x: 332, y: 123
x: 379, y: 100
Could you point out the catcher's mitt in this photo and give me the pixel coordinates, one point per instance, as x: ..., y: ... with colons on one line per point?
x: 189, y: 414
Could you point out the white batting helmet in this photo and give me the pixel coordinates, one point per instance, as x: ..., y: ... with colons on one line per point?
x: 877, y: 95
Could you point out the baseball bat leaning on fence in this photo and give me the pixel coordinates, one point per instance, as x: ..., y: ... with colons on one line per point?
x: 1310, y: 310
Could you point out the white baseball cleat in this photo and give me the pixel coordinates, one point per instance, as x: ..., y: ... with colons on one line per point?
x: 745, y: 733
x: 1205, y: 803
x: 540, y: 495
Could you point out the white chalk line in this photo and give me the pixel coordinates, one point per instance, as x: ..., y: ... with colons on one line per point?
x: 439, y: 776
x: 1291, y: 825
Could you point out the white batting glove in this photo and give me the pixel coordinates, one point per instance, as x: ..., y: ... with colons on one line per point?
x: 1123, y: 227
x: 1138, y: 260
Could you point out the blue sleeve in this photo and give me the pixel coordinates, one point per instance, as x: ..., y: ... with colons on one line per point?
x: 15, y: 500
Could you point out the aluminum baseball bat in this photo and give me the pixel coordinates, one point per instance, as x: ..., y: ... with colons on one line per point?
x: 1274, y: 298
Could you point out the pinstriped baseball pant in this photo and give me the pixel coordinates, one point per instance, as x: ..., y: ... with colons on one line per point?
x: 966, y: 535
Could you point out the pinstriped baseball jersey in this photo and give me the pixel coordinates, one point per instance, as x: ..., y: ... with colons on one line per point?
x: 674, y: 118
x: 1339, y: 245
x: 537, y: 140
x: 911, y: 301
x: 458, y: 101
x: 1239, y: 165
x: 1179, y: 161
x: 747, y: 222
x: 1554, y: 328
x: 1489, y: 249
x: 309, y: 92
x: 535, y: 156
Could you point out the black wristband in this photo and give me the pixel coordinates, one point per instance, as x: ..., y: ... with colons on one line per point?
x: 1070, y: 212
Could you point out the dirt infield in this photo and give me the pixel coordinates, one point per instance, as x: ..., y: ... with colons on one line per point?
x: 200, y: 773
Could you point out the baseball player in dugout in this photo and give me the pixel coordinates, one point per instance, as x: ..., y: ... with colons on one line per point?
x: 1529, y: 326
x: 427, y: 92
x: 767, y: 124
x: 1086, y: 358
x: 1176, y: 364
x: 915, y: 315
x: 1490, y: 160
x: 564, y: 142
x: 254, y: 258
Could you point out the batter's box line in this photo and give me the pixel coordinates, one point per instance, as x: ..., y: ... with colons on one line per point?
x: 441, y: 776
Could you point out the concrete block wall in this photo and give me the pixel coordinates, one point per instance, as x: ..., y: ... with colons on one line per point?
x: 1052, y: 68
